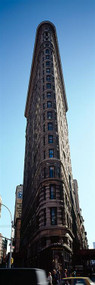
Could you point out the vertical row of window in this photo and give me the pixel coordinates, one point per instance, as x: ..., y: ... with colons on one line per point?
x: 50, y: 115
x: 49, y: 78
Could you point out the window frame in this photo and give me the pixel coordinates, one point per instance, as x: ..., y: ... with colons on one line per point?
x: 49, y: 115
x: 51, y: 171
x: 51, y: 153
x: 48, y: 85
x: 47, y: 51
x: 50, y: 126
x: 47, y: 56
x: 48, y: 78
x: 48, y: 70
x: 49, y: 94
x: 50, y: 139
x: 47, y: 63
x: 52, y: 191
x: 53, y: 216
x: 49, y: 104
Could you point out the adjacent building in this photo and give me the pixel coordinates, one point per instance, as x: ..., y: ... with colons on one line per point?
x: 17, y: 216
x: 1, y: 251
x: 50, y: 206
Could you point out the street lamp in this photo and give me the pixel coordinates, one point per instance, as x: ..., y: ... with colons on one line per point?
x: 1, y: 204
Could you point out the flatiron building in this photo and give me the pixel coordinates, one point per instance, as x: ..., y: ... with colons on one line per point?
x: 48, y: 197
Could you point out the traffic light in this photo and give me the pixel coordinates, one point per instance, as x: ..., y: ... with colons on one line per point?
x: 5, y: 243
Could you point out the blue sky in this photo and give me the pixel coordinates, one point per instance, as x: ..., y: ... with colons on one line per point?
x: 75, y: 25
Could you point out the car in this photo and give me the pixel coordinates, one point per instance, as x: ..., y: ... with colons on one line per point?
x: 93, y: 277
x: 76, y: 281
x: 20, y: 276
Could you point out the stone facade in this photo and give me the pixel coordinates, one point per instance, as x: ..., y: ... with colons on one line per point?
x: 17, y: 216
x: 48, y: 195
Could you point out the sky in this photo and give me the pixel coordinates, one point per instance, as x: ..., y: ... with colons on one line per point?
x: 75, y: 25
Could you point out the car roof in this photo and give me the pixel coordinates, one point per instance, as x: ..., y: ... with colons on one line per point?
x: 77, y: 277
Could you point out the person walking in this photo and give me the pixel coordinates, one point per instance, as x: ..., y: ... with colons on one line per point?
x: 65, y: 273
x: 54, y: 277
x: 50, y: 278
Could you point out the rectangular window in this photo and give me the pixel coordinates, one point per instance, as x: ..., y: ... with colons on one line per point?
x: 47, y: 63
x: 47, y: 50
x: 47, y: 70
x: 48, y: 78
x: 51, y: 153
x: 48, y: 94
x: 49, y: 104
x: 49, y: 115
x: 50, y: 139
x: 47, y: 56
x: 52, y: 191
x: 48, y: 85
x: 50, y: 126
x: 53, y: 214
x: 51, y: 172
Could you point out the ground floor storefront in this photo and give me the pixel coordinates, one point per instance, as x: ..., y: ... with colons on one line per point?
x: 53, y: 257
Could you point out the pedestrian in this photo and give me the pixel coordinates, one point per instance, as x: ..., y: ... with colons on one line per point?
x: 74, y: 273
x: 54, y: 277
x: 65, y: 273
x: 50, y: 278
